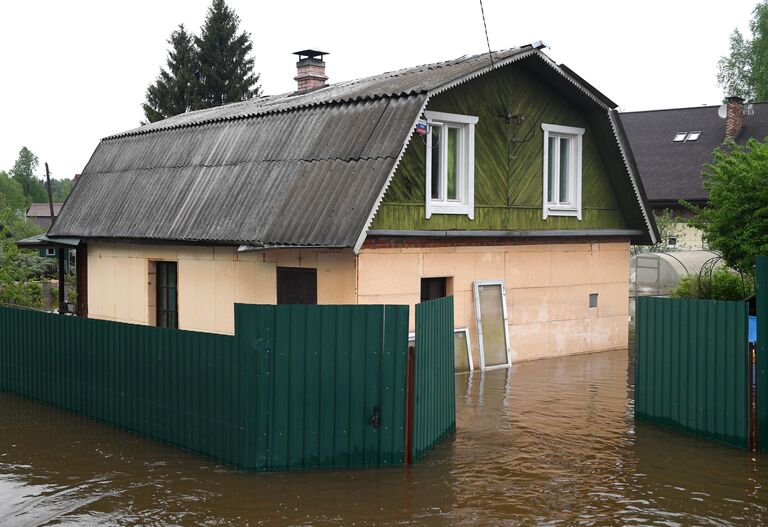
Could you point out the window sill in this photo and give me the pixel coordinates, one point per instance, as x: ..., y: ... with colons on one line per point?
x: 452, y: 208
x: 562, y: 211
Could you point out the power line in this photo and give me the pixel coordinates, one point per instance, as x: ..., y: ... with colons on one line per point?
x: 485, y: 26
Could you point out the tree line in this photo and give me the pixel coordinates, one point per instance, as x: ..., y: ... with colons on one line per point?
x: 204, y: 71
x: 20, y: 186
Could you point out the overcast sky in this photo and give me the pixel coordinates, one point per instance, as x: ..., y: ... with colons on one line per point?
x: 73, y: 72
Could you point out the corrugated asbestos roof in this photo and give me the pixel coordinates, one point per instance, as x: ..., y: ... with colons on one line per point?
x: 287, y: 170
x: 291, y: 169
x: 672, y: 171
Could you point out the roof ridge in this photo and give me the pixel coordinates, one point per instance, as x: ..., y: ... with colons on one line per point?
x: 271, y: 104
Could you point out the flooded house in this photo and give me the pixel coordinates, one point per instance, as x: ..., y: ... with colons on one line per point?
x: 503, y: 179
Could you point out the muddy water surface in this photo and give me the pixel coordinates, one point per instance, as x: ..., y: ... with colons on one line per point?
x: 549, y: 442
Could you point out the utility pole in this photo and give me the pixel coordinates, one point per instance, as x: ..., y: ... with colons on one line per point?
x: 59, y: 251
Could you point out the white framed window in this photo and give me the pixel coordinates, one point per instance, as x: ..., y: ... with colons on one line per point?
x: 562, y: 170
x: 450, y: 184
x: 50, y: 252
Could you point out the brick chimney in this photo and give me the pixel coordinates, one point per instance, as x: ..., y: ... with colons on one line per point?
x: 310, y: 70
x: 734, y: 116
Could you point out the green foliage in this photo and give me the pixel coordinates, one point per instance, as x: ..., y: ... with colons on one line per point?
x: 744, y: 71
x: 665, y: 223
x: 60, y: 188
x: 23, y: 172
x: 21, y: 272
x: 174, y: 90
x: 206, y: 71
x: 721, y: 284
x: 735, y: 222
x: 225, y: 68
x: 13, y: 193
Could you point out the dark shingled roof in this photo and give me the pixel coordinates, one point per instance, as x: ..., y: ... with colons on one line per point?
x: 287, y: 170
x: 672, y: 171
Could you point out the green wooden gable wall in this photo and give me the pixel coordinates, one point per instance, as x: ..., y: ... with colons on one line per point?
x: 508, y: 173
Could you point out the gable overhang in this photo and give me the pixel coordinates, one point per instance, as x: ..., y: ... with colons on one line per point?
x: 607, y: 105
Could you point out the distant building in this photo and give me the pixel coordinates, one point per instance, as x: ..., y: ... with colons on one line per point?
x: 672, y: 147
x: 40, y: 213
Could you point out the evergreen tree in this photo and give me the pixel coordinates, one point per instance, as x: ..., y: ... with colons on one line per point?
x: 744, y: 72
x: 225, y: 68
x: 174, y: 90
x: 23, y: 172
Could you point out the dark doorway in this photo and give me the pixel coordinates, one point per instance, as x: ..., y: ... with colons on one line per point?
x: 167, y: 295
x: 433, y: 288
x: 296, y: 285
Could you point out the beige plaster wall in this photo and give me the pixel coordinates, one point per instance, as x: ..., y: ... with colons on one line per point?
x: 547, y: 287
x: 688, y: 238
x: 211, y: 281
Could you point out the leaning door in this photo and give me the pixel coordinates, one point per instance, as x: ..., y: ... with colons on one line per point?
x: 492, y: 330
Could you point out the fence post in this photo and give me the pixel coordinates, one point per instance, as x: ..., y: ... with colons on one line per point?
x: 409, y: 406
x: 761, y: 276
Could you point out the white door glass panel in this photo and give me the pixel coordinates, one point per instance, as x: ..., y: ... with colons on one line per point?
x: 492, y: 324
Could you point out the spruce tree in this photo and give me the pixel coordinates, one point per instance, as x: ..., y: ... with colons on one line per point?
x: 225, y: 68
x: 174, y: 90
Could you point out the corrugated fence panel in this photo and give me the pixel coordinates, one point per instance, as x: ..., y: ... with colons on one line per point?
x: 691, y: 367
x: 761, y: 362
x: 297, y: 387
x: 434, y: 405
x: 333, y: 369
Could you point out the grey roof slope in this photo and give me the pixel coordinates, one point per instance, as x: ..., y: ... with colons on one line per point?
x: 282, y: 170
x: 672, y: 171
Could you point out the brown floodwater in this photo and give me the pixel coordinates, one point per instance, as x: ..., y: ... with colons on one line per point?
x: 549, y: 442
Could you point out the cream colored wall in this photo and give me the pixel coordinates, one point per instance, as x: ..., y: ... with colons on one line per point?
x: 547, y: 286
x: 688, y: 238
x: 211, y: 281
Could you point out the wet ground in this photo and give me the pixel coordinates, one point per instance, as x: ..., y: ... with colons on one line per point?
x: 549, y: 442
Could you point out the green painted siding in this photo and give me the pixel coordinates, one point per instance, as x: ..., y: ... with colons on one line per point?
x: 508, y: 176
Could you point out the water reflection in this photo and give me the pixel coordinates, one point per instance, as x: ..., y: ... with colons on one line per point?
x: 546, y: 442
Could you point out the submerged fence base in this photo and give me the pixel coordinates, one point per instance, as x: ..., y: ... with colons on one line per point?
x: 692, y: 367
x: 296, y: 387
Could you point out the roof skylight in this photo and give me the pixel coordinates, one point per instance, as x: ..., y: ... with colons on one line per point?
x: 680, y: 137
x: 693, y: 136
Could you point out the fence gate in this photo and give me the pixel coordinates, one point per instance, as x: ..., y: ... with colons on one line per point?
x: 692, y: 367
x: 434, y: 399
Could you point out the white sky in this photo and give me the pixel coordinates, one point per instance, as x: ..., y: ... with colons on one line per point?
x: 72, y: 72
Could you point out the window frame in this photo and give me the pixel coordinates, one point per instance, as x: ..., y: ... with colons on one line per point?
x: 171, y: 319
x: 465, y: 174
x: 679, y: 137
x: 575, y: 136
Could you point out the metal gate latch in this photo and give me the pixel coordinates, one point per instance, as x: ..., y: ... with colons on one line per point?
x: 376, y: 417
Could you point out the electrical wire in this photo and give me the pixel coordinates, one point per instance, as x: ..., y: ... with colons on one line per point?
x: 485, y: 27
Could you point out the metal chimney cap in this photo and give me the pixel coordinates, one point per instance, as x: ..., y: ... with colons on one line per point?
x: 311, y: 53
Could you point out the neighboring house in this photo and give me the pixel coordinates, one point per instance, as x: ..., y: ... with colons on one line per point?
x: 673, y: 146
x: 40, y: 214
x: 510, y: 182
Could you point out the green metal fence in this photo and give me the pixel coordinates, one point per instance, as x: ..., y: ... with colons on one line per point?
x: 434, y: 404
x: 296, y: 387
x: 692, y: 367
x: 761, y: 359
